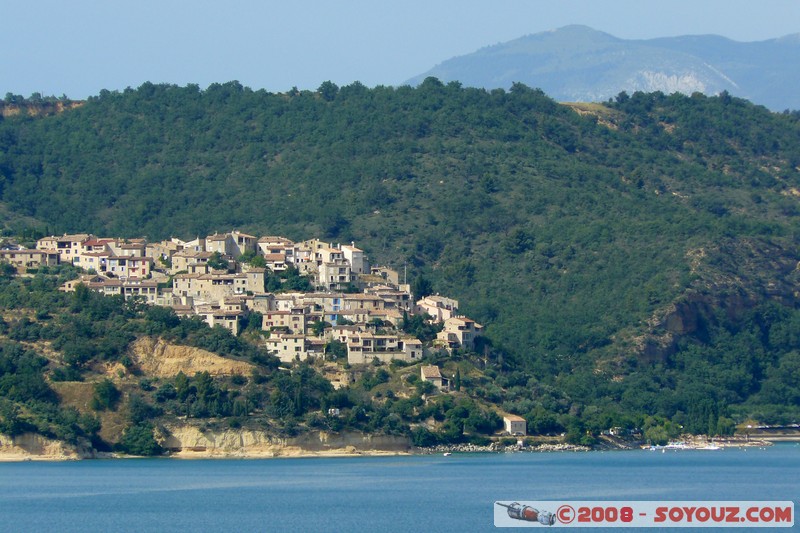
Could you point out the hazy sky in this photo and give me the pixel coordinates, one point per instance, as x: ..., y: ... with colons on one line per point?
x: 79, y: 47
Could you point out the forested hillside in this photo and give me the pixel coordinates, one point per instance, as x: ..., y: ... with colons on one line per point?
x: 633, y: 257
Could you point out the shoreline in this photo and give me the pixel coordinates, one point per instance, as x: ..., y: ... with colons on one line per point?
x: 30, y: 448
x: 307, y: 454
x: 17, y: 457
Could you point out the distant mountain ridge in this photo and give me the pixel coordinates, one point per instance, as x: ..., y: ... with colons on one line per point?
x: 580, y: 64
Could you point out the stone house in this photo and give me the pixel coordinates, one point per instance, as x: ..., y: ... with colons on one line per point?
x: 369, y: 302
x: 182, y: 261
x: 186, y: 285
x: 146, y: 289
x: 356, y: 258
x: 459, y: 332
x: 392, y: 298
x: 364, y: 346
x: 215, y: 287
x: 515, y: 425
x: 226, y: 314
x: 279, y: 252
x: 294, y: 321
x: 128, y: 248
x: 97, y: 261
x: 438, y: 307
x: 232, y: 244
x: 129, y: 266
x: 432, y: 374
x: 67, y: 246
x: 334, y: 275
x: 288, y: 347
x: 162, y: 251
x: 25, y: 259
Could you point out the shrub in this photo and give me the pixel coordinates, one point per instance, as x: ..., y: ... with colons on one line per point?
x: 105, y: 397
x: 139, y: 440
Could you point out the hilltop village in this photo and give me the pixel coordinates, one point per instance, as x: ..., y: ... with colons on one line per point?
x: 310, y: 295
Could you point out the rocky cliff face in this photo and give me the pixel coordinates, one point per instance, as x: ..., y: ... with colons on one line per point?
x: 772, y: 273
x: 185, y: 441
x: 190, y: 441
x: 159, y: 359
x: 31, y: 446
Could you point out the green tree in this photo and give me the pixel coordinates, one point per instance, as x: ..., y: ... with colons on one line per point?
x: 421, y: 287
x: 140, y: 440
x: 328, y: 91
x: 217, y: 262
x: 105, y: 396
x: 336, y: 350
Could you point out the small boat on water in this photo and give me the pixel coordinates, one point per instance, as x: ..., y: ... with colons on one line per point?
x: 447, y: 454
x: 710, y: 446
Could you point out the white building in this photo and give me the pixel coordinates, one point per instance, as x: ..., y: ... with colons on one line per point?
x: 515, y: 425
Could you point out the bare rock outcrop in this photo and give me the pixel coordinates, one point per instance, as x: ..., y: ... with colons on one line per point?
x: 191, y: 441
x: 35, y: 447
x: 159, y: 359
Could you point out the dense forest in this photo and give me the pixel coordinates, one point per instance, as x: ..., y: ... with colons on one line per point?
x: 632, y: 259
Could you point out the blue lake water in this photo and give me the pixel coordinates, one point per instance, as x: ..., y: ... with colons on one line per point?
x: 417, y: 493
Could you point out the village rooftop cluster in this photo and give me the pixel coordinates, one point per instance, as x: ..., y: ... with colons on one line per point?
x: 214, y: 277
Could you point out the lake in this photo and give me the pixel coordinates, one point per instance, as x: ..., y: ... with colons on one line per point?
x: 404, y: 493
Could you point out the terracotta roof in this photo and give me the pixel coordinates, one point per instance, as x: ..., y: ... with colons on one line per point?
x: 192, y: 253
x: 26, y: 251
x: 75, y: 237
x: 136, y: 282
x: 107, y: 283
x: 431, y: 372
x: 276, y: 240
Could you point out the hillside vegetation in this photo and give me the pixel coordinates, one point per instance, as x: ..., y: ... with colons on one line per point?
x: 636, y: 259
x: 101, y: 373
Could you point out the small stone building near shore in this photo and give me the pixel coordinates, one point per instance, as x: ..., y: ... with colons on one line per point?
x: 515, y: 425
